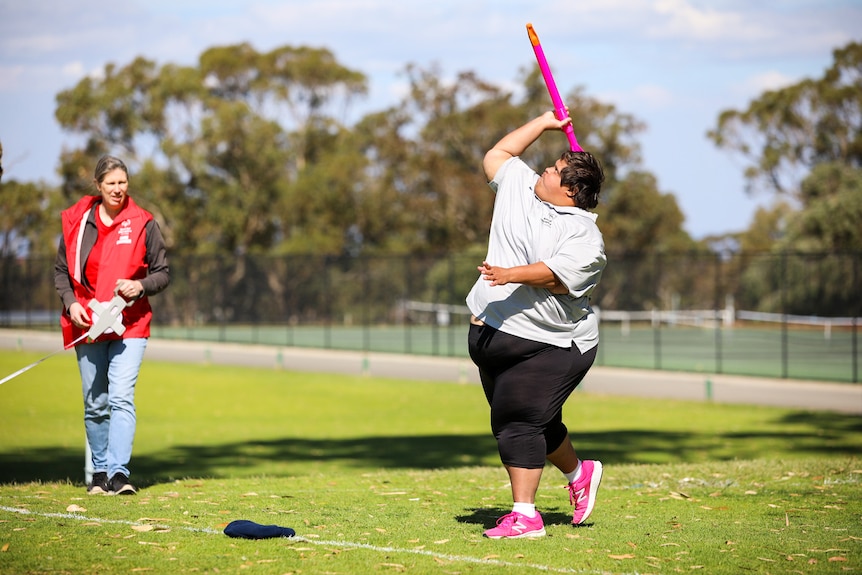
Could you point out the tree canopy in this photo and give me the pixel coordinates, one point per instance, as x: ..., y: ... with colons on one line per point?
x: 250, y: 152
x: 784, y: 133
x: 804, y: 143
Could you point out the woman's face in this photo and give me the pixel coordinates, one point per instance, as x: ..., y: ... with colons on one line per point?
x: 114, y: 188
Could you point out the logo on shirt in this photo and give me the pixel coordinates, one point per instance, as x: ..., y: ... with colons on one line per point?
x: 125, y: 232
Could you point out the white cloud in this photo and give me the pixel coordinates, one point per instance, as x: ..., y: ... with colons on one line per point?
x: 680, y: 19
x: 641, y: 97
x: 10, y: 78
x: 653, y: 96
x: 30, y: 80
x: 34, y: 44
x: 759, y: 83
x: 73, y: 70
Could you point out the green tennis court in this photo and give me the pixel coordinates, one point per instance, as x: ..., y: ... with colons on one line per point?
x: 796, y: 353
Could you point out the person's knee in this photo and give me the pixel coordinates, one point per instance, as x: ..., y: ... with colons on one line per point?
x: 555, y: 435
x: 521, y: 446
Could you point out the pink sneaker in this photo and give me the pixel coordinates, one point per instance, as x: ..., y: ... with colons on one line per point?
x: 582, y: 491
x: 516, y: 525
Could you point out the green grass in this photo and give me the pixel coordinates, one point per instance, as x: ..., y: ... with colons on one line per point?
x: 387, y: 476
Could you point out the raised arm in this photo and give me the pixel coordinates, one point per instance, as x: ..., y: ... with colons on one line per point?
x: 515, y: 142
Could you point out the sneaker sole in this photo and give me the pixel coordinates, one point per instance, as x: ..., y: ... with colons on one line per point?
x: 527, y: 535
x: 124, y: 491
x: 595, y: 480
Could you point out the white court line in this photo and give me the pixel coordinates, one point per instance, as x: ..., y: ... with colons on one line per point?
x: 377, y: 548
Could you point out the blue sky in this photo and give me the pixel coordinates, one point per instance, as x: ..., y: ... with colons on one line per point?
x: 674, y: 64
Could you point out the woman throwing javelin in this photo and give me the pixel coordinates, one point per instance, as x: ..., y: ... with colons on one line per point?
x: 533, y: 334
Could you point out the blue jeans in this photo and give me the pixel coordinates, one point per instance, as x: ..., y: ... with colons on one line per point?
x: 109, y: 372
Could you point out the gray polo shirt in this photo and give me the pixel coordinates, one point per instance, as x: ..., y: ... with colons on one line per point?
x: 526, y: 230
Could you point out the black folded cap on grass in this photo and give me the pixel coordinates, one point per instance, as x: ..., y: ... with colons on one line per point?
x: 250, y: 530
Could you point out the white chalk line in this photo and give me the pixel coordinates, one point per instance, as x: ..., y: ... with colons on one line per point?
x: 350, y: 544
x: 80, y: 517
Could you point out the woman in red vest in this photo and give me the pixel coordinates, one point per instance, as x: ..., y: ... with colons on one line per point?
x: 110, y: 246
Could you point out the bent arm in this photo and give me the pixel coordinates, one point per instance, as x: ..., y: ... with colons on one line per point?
x: 517, y: 141
x: 62, y: 279
x: 63, y: 284
x: 158, y: 272
x: 537, y: 275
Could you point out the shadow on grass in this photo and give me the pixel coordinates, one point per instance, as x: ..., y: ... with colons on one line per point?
x: 487, y: 517
x: 821, y: 434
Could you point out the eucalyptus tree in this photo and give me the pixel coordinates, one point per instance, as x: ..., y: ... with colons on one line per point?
x: 803, y: 143
x: 218, y: 150
x: 218, y: 145
x: 784, y: 133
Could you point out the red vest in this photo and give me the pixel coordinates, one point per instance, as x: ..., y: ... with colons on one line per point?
x: 123, y: 257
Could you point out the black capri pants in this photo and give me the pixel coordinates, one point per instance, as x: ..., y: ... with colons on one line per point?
x: 526, y: 384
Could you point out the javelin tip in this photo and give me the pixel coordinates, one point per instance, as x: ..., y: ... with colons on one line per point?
x: 534, y: 39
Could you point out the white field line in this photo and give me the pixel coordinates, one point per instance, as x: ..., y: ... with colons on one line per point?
x: 350, y: 544
x: 80, y: 517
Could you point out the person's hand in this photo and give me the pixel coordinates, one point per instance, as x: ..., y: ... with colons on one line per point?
x: 130, y: 289
x: 79, y: 316
x: 496, y: 275
x: 552, y: 123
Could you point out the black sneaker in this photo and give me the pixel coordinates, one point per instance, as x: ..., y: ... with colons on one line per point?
x: 120, y: 485
x: 98, y: 484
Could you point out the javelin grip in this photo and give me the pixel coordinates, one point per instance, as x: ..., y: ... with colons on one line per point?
x: 559, y: 107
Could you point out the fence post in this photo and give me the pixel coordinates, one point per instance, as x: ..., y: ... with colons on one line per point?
x: 408, y: 287
x: 327, y: 306
x: 718, y: 314
x: 657, y: 326
x: 366, y: 314
x: 451, y: 283
x: 784, y: 334
x: 854, y: 347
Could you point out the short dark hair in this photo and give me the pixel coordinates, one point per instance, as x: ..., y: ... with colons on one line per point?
x: 583, y: 176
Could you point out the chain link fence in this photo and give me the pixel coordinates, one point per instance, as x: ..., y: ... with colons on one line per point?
x: 783, y: 315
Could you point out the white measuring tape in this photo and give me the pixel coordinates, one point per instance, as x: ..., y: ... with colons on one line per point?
x: 108, y: 317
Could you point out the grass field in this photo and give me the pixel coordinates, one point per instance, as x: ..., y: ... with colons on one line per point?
x: 391, y: 476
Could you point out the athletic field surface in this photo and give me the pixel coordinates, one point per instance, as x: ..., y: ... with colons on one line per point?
x: 812, y: 395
